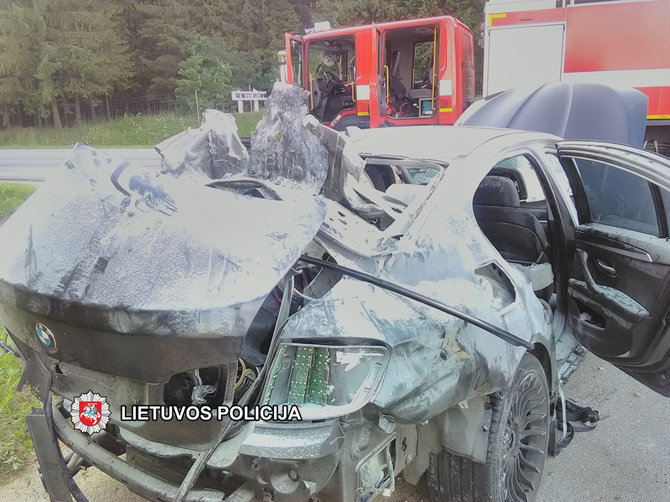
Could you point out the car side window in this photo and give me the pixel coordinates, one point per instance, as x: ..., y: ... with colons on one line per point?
x: 521, y: 166
x: 618, y: 198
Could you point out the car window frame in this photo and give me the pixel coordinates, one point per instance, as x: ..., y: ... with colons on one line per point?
x: 583, y: 204
x: 550, y: 172
x: 644, y: 164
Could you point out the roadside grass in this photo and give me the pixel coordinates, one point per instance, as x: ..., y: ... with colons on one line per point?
x: 247, y: 122
x: 11, y: 197
x: 15, y: 443
x: 130, y: 131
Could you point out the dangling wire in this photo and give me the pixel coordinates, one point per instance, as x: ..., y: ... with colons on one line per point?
x: 246, y: 373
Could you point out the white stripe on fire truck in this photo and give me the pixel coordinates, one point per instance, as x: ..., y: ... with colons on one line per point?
x: 623, y: 78
x: 446, y: 88
x: 363, y: 92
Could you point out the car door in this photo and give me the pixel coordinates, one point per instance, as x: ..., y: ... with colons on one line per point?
x: 619, y: 275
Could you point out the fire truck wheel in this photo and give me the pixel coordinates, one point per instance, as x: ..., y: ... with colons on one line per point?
x: 518, y: 443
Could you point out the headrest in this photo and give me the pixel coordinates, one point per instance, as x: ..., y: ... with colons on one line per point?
x: 497, y: 191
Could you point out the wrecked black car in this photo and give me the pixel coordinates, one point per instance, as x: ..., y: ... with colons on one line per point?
x: 419, y: 294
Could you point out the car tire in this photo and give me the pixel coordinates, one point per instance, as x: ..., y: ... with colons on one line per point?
x: 517, y: 447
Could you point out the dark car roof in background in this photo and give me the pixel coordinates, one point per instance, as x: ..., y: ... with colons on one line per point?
x: 574, y: 111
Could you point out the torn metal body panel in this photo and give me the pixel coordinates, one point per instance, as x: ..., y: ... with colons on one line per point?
x: 186, y: 288
x: 436, y: 360
x: 213, y: 150
x: 282, y: 148
x: 121, y: 263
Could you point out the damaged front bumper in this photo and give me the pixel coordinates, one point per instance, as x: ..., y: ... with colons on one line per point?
x: 339, y: 461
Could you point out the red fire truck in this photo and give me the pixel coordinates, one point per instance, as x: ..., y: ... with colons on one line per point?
x: 419, y: 71
x: 619, y: 43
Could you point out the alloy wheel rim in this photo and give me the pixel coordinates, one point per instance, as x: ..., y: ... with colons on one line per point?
x: 525, y: 440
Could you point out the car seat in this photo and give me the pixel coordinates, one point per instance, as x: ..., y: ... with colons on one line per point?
x: 515, y: 232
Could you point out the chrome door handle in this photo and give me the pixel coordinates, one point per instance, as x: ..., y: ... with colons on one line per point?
x: 602, y: 265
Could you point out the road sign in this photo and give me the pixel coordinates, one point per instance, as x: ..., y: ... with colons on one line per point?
x: 242, y: 96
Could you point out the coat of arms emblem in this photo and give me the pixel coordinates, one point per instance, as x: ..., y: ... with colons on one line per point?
x: 90, y: 412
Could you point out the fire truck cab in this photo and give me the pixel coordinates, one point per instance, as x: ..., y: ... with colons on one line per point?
x: 623, y: 43
x: 412, y: 72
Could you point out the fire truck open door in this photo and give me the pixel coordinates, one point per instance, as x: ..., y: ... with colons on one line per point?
x: 408, y: 74
x: 295, y: 57
x: 378, y: 98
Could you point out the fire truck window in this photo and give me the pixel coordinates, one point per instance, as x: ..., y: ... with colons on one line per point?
x: 467, y: 69
x: 334, y: 57
x: 423, y: 64
x: 331, y: 67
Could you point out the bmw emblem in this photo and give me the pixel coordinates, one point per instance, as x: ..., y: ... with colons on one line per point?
x: 45, y: 337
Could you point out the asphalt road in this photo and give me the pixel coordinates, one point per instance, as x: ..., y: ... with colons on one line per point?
x: 627, y: 456
x: 38, y: 165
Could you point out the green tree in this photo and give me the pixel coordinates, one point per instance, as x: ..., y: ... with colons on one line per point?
x: 304, y: 12
x: 55, y: 49
x: 18, y: 59
x: 256, y: 68
x: 132, y: 18
x: 260, y: 24
x: 247, y: 37
x: 163, y: 38
x: 205, y: 72
x: 96, y: 58
x: 255, y: 33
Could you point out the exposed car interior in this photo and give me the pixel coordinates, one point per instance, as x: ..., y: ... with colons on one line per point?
x: 407, y: 73
x: 516, y: 222
x: 509, y: 205
x: 332, y: 76
x: 388, y: 187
